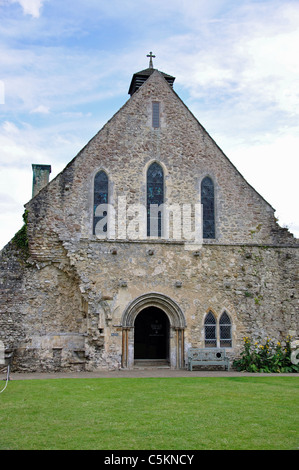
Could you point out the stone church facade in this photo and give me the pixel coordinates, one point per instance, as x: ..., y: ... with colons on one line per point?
x: 148, y: 243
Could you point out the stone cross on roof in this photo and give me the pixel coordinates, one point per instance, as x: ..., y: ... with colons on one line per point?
x: 151, y: 56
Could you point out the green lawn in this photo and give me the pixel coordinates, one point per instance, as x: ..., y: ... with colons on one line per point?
x: 151, y: 414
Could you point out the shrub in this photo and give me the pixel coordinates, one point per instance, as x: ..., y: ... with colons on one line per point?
x: 21, y: 239
x: 267, y: 357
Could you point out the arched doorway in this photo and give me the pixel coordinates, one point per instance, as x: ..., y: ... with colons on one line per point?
x: 161, y: 308
x: 151, y: 334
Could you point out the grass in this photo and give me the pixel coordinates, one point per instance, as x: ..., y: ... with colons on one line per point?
x: 150, y: 414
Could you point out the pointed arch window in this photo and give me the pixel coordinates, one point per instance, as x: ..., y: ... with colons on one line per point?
x: 225, y: 331
x: 100, y: 203
x: 210, y: 331
x: 208, y: 203
x: 155, y: 197
x: 218, y: 334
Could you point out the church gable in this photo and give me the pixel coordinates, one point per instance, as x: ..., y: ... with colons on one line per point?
x: 147, y: 244
x: 153, y: 126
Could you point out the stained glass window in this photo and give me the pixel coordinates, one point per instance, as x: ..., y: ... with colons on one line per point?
x: 155, y: 197
x: 210, y: 331
x: 225, y: 331
x: 208, y: 203
x: 100, y: 197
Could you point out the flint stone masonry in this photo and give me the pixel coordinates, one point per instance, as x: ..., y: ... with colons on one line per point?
x: 68, y: 304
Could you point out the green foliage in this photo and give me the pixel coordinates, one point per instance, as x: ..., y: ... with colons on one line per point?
x: 268, y: 357
x: 258, y: 299
x: 21, y: 239
x: 248, y: 294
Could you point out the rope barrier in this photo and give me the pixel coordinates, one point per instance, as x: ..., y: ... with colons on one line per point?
x: 7, y: 378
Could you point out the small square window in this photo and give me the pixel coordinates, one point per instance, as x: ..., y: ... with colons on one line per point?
x: 156, y: 114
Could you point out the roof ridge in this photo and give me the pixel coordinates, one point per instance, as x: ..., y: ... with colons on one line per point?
x: 140, y: 77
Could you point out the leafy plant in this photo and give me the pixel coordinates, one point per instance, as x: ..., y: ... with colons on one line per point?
x: 267, y: 357
x: 21, y: 239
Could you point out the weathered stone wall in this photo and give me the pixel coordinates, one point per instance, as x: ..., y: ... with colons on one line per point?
x: 63, y: 307
x: 12, y: 267
x: 74, y: 322
x: 256, y: 286
x: 42, y: 314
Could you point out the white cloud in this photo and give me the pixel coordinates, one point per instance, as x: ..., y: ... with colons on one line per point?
x: 242, y: 52
x: 20, y: 147
x: 41, y: 110
x: 30, y: 7
x: 16, y: 189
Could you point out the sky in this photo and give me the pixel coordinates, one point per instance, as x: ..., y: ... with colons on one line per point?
x: 66, y: 67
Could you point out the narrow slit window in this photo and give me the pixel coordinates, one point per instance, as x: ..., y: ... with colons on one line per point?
x: 156, y: 114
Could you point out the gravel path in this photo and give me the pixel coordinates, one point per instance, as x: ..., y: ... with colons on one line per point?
x: 134, y: 373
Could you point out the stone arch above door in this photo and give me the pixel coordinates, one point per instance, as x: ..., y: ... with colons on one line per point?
x: 154, y: 299
x: 177, y: 325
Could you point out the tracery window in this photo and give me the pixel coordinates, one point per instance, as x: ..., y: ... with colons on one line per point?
x: 155, y: 197
x: 218, y: 335
x: 100, y: 200
x: 208, y: 203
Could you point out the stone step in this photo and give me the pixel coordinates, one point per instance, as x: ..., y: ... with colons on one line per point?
x: 151, y: 363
